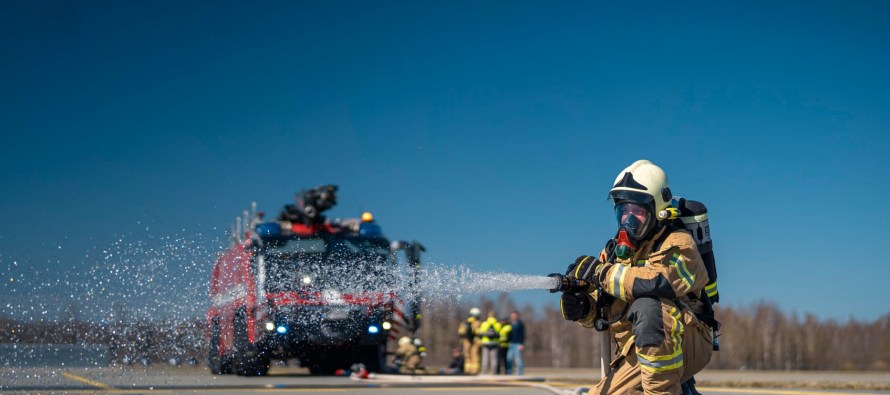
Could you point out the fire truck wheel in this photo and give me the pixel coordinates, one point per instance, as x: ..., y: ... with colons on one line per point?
x: 373, y: 357
x: 219, y: 364
x: 322, y: 368
x: 249, y: 359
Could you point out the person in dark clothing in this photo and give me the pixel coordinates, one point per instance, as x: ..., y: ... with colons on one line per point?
x: 503, y: 347
x: 457, y: 363
x: 516, y: 344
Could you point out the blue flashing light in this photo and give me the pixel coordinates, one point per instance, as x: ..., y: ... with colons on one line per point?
x: 373, y: 329
x: 268, y: 229
x: 370, y: 229
x: 281, y: 329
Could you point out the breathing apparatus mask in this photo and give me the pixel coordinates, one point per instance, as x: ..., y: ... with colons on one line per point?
x: 635, y: 221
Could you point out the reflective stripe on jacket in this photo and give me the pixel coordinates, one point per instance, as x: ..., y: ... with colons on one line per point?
x: 671, y: 272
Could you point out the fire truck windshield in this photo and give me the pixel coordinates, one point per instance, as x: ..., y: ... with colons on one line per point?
x: 345, y: 263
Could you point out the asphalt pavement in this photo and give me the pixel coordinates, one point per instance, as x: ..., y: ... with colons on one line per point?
x: 196, y: 380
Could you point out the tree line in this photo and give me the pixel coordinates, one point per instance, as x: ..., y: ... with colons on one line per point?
x: 757, y: 337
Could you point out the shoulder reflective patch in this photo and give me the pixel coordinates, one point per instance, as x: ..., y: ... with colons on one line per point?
x: 678, y: 262
x: 642, y: 262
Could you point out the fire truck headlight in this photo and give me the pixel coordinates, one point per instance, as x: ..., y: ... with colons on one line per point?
x: 270, y: 326
x: 386, y: 325
x: 281, y: 329
x: 373, y: 329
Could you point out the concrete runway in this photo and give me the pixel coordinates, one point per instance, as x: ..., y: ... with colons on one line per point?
x: 196, y: 380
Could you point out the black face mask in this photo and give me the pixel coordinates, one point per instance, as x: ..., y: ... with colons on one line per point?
x: 634, y: 218
x: 634, y: 223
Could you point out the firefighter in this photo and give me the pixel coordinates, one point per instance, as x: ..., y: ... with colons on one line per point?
x: 408, y: 359
x: 489, y: 331
x: 469, y: 341
x: 653, y: 277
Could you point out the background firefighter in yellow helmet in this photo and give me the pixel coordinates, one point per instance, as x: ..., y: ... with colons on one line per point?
x: 654, y: 276
x: 407, y: 358
x: 467, y: 331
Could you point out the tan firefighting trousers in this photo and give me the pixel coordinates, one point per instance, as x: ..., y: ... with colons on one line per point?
x: 661, y: 369
x: 471, y: 356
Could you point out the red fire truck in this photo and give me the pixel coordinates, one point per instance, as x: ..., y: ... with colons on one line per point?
x: 327, y: 292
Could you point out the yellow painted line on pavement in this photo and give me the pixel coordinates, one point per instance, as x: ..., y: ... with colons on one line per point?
x: 778, y: 391
x: 87, y: 381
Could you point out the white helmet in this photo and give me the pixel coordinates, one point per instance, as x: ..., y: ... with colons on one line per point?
x: 643, y: 184
x: 404, y: 340
x: 475, y: 312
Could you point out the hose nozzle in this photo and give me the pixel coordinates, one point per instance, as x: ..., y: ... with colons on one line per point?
x: 567, y: 284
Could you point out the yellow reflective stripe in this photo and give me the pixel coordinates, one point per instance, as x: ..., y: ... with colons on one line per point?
x: 663, y: 363
x: 711, y: 289
x: 675, y: 313
x: 618, y: 281
x: 687, y: 277
x: 661, y: 366
x: 642, y: 262
x: 578, y: 266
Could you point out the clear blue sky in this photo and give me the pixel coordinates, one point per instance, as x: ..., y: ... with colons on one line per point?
x: 489, y: 131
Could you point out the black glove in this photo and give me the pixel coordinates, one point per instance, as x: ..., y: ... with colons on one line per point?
x: 585, y: 268
x: 574, y: 306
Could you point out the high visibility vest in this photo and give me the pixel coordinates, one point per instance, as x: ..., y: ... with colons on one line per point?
x: 489, y: 331
x: 505, y: 335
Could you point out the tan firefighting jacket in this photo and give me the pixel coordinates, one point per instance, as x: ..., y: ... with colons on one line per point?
x: 408, y: 358
x: 467, y: 331
x: 673, y: 272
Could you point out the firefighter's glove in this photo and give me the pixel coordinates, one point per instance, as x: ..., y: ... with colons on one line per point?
x: 574, y: 306
x: 570, y: 271
x: 585, y: 268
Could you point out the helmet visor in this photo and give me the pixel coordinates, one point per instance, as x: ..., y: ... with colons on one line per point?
x: 633, y: 217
